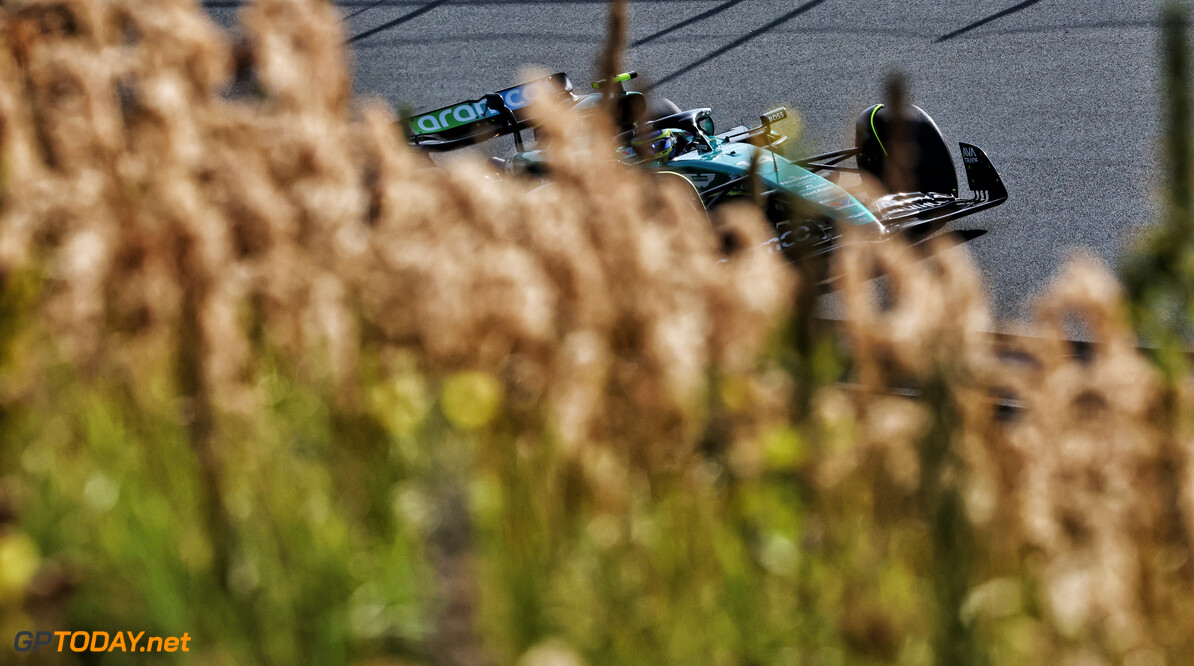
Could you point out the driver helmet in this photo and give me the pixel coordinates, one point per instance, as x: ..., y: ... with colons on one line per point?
x: 660, y: 145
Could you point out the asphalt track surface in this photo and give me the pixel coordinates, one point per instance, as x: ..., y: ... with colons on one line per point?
x: 1063, y: 95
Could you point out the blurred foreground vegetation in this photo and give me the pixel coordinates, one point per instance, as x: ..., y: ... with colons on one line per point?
x: 268, y: 379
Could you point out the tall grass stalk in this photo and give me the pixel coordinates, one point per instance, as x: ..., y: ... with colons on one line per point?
x: 269, y: 379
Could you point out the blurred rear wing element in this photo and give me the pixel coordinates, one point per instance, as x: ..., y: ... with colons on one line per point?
x: 473, y: 121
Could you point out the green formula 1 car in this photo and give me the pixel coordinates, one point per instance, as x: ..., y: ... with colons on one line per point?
x: 800, y: 197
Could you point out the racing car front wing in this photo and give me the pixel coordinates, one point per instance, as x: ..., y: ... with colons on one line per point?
x: 913, y: 216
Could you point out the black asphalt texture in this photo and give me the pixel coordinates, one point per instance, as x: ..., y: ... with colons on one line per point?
x: 1063, y: 95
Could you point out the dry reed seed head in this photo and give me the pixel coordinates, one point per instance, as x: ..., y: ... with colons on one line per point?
x: 290, y: 213
x: 1092, y: 501
x: 894, y: 427
x: 566, y: 249
x: 667, y: 268
x: 610, y: 61
x: 965, y: 298
x: 299, y: 55
x: 76, y: 302
x: 1117, y: 380
x: 331, y: 325
x: 1087, y: 289
x: 93, y: 205
x: 936, y: 316
x: 1093, y: 533
x: 987, y: 498
x: 18, y: 146
x: 77, y: 106
x: 753, y: 293
x: 175, y: 40
x: 935, y: 321
x: 34, y: 21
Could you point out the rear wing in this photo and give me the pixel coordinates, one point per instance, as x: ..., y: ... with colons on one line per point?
x: 473, y: 121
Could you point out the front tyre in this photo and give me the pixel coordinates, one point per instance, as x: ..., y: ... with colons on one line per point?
x: 911, y: 158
